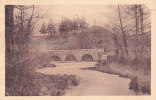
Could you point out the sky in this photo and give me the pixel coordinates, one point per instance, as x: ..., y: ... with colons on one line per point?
x: 99, y: 15
x: 94, y: 14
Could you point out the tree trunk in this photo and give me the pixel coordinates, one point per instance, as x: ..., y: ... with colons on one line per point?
x: 141, y: 29
x: 9, y: 27
x: 141, y: 20
x: 124, y: 36
x: 115, y: 38
x: 22, y: 33
x: 136, y: 31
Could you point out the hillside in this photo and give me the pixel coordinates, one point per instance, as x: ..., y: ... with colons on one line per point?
x: 96, y: 37
x: 93, y: 37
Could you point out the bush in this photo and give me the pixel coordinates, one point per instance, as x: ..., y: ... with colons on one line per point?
x: 140, y: 63
x: 141, y: 84
x: 22, y: 80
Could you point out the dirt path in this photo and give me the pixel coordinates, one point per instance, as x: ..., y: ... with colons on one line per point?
x: 92, y: 83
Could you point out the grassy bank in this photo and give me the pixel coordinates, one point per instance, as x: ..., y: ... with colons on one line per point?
x: 140, y: 80
x: 22, y: 80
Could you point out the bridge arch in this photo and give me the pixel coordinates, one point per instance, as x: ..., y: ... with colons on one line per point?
x: 70, y: 58
x: 55, y: 58
x: 87, y: 57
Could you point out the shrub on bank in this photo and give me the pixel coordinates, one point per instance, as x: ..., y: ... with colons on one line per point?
x: 22, y: 80
x: 141, y: 84
x: 139, y: 63
x: 140, y: 81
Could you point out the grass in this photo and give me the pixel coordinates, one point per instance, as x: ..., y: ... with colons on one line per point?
x: 140, y: 80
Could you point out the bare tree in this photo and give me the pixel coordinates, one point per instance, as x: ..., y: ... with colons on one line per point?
x: 20, y: 21
x: 122, y: 30
x: 134, y: 24
x: 140, y: 15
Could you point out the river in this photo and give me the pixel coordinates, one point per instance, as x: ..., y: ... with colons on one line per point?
x: 91, y: 83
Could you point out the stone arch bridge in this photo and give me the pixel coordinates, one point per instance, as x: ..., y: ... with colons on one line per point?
x: 76, y: 55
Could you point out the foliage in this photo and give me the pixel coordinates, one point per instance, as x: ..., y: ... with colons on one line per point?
x: 43, y: 29
x: 51, y: 29
x: 72, y: 26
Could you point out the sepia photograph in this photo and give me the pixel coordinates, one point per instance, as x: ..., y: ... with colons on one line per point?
x: 78, y: 50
